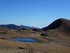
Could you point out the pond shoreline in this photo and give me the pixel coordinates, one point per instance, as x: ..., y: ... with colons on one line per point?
x: 24, y: 39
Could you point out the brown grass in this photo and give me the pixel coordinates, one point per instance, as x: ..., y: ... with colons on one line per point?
x: 7, y: 46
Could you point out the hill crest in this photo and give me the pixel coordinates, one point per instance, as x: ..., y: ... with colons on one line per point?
x: 58, y: 23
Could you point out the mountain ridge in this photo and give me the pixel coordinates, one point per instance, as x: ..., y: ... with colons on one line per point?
x: 58, y: 23
x: 16, y: 27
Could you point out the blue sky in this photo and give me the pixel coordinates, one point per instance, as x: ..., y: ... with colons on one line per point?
x: 36, y: 13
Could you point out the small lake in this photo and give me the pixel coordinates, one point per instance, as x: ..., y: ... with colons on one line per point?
x: 24, y: 40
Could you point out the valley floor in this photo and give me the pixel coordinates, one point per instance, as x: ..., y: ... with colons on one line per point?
x: 7, y: 46
x: 47, y: 44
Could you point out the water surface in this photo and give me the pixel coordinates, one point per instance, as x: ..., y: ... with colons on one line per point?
x: 24, y: 40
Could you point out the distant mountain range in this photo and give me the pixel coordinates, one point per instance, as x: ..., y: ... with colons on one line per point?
x: 59, y: 23
x: 16, y: 27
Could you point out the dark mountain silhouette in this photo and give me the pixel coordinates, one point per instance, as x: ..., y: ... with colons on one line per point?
x: 16, y: 27
x: 64, y: 23
x: 10, y: 26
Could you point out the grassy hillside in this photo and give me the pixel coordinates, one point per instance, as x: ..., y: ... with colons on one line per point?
x: 55, y: 39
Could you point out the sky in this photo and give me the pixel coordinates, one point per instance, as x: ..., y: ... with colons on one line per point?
x: 35, y: 13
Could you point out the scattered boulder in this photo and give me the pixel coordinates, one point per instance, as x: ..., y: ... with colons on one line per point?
x: 21, y: 48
